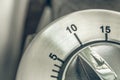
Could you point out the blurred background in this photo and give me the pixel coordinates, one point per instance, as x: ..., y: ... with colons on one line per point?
x: 21, y: 20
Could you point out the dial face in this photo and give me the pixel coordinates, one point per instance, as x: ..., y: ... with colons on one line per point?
x: 84, y: 45
x: 93, y: 61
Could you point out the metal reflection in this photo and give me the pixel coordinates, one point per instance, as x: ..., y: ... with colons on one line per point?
x: 99, y: 65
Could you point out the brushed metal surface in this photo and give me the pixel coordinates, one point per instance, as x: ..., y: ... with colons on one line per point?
x: 36, y: 64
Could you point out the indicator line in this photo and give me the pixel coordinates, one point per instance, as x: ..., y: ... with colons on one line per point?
x: 55, y: 71
x: 77, y: 38
x: 57, y: 66
x: 106, y: 36
x: 83, y: 66
x: 60, y: 60
x: 54, y: 76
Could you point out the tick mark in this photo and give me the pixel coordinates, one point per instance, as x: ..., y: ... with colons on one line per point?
x: 78, y: 39
x: 54, y: 76
x: 55, y: 71
x: 57, y: 66
x: 60, y: 60
x: 106, y: 36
